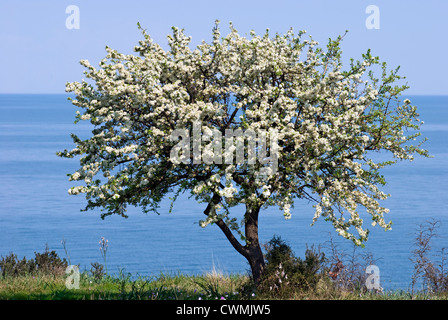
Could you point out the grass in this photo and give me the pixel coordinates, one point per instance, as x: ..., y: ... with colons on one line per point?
x: 211, y: 286
x: 338, y: 276
x: 123, y: 287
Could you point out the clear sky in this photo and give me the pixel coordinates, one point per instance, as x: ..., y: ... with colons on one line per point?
x: 39, y: 54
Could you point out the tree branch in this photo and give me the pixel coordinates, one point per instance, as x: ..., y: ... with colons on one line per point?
x: 224, y: 228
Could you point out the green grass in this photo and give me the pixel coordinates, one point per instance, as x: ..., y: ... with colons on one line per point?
x: 124, y: 287
x: 213, y: 286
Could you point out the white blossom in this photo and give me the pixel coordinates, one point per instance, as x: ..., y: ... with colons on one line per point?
x: 328, y: 122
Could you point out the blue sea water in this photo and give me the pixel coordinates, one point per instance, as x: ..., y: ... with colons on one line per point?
x: 36, y: 210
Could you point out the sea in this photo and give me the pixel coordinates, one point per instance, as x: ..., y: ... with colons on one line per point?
x: 36, y: 211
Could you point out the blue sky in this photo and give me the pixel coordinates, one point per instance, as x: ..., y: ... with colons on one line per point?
x: 39, y: 54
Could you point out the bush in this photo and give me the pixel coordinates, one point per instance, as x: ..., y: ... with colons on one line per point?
x: 348, y: 269
x: 431, y: 275
x: 47, y: 263
x: 12, y: 266
x: 97, y: 271
x: 284, y: 274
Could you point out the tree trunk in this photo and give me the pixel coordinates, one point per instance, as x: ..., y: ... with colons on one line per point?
x: 254, y: 254
x: 252, y: 250
x: 256, y: 261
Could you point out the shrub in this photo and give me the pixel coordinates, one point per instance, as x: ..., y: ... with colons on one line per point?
x: 48, y: 263
x: 97, y: 270
x: 284, y: 274
x: 432, y: 276
x: 12, y: 266
x: 347, y: 270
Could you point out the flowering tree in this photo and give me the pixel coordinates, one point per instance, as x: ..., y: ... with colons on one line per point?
x: 330, y: 124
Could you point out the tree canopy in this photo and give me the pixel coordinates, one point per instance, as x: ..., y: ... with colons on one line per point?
x: 330, y: 124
